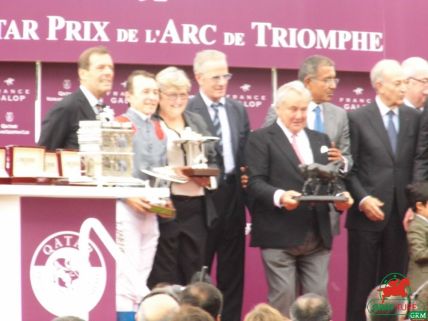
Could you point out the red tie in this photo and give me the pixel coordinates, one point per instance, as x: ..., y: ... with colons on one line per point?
x: 296, y: 148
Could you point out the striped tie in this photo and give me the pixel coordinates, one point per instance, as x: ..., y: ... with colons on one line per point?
x: 217, y: 125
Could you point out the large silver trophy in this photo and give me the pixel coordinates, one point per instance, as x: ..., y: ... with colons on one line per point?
x: 322, y: 183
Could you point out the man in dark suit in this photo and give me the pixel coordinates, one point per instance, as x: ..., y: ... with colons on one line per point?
x: 383, y: 144
x: 227, y: 119
x: 295, y: 239
x: 96, y: 72
x: 318, y: 73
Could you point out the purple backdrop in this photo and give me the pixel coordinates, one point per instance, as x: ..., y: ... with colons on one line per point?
x: 254, y: 34
x: 17, y: 96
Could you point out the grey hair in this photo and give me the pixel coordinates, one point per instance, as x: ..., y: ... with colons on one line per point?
x: 311, y: 64
x: 293, y: 86
x: 414, y: 66
x: 206, y: 55
x: 378, y: 71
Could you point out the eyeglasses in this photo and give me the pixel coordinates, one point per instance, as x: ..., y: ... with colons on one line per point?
x: 423, y: 81
x: 329, y: 81
x: 220, y: 77
x: 175, y: 96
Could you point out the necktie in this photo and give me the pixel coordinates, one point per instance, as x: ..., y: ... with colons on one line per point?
x: 392, y: 132
x: 100, y: 106
x: 217, y: 125
x: 296, y: 148
x: 318, y: 124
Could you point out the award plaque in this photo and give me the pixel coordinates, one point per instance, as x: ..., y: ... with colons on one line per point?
x: 3, y: 172
x: 209, y: 171
x: 322, y: 183
x: 25, y: 161
x: 69, y: 163
x: 163, y: 211
x: 51, y: 165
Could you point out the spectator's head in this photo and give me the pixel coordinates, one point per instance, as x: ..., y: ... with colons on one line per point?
x: 191, y: 313
x: 264, y: 312
x: 417, y: 195
x: 212, y: 73
x: 291, y: 104
x: 159, y: 305
x: 416, y: 72
x: 174, y: 87
x: 318, y: 73
x: 68, y: 318
x: 203, y: 295
x: 142, y: 92
x: 310, y: 307
x: 389, y: 81
x: 96, y: 70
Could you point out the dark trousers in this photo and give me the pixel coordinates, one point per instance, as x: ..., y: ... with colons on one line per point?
x: 182, y: 243
x: 227, y: 240
x: 371, y: 257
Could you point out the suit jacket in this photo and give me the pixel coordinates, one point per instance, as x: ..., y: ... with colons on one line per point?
x: 376, y: 170
x: 417, y: 237
x: 238, y: 122
x: 421, y: 160
x: 335, y: 125
x: 59, y: 128
x: 272, y: 165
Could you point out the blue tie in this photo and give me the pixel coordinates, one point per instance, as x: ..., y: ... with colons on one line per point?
x: 318, y: 124
x: 392, y: 132
x: 217, y: 125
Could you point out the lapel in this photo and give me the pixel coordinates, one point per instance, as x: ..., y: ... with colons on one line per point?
x: 283, y: 144
x: 85, y: 107
x: 201, y: 108
x: 233, y: 124
x: 316, y: 144
x: 329, y: 121
x: 404, y: 121
x: 374, y: 118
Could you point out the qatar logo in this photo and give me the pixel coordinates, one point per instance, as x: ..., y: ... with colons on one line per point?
x: 9, y: 116
x: 64, y: 279
x: 66, y: 84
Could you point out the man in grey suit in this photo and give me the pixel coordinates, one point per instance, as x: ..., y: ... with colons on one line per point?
x: 227, y: 119
x: 319, y: 76
x: 96, y: 72
x: 294, y: 237
x: 383, y: 136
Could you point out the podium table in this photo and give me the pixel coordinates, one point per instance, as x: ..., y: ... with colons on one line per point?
x: 44, y: 271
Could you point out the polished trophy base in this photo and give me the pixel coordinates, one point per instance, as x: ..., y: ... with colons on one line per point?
x: 321, y: 198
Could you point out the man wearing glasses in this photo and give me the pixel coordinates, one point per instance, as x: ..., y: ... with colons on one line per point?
x: 318, y: 73
x: 227, y: 119
x: 416, y: 71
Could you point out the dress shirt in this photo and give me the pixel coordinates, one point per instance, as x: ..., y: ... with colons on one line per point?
x: 304, y: 149
x: 140, y: 114
x: 384, y: 112
x: 228, y: 158
x: 93, y: 101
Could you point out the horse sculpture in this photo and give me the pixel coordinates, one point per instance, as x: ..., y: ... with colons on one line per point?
x: 317, y: 176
